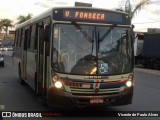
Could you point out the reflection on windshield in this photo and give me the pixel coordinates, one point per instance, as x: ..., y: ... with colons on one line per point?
x: 74, y: 53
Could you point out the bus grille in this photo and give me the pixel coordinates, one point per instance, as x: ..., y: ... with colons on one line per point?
x: 87, y: 92
x: 85, y: 89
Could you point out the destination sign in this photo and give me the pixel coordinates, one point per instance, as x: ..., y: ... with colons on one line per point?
x: 90, y: 15
x: 84, y: 15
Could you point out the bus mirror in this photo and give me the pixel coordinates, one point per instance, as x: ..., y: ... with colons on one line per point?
x: 47, y: 33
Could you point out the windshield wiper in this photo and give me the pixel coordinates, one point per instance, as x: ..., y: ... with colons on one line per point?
x: 105, y: 34
x: 87, y: 36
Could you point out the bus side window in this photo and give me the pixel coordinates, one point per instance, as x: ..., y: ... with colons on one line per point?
x: 20, y: 42
x: 22, y: 38
x: 36, y: 37
x: 17, y: 38
x: 26, y: 38
x: 29, y: 38
x: 32, y: 40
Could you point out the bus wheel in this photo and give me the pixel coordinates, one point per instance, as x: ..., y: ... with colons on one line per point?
x: 20, y: 76
x: 50, y: 100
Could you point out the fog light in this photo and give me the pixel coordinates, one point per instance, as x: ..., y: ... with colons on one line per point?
x: 58, y: 84
x: 128, y: 83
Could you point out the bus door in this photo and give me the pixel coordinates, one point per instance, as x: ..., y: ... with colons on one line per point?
x: 39, y: 59
x: 42, y: 53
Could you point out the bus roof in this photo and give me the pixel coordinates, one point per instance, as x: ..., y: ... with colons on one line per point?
x: 50, y: 11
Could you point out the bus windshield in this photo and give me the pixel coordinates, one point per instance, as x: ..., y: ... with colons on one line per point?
x: 91, y: 49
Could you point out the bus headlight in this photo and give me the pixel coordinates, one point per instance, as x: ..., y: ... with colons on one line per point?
x: 129, y: 83
x: 58, y: 84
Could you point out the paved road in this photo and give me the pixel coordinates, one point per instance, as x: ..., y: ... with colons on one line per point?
x: 15, y: 97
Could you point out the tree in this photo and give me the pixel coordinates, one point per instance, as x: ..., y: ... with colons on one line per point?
x: 131, y: 10
x: 23, y: 18
x: 1, y: 26
x: 5, y: 24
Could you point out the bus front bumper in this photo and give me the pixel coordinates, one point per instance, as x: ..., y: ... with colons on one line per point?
x: 63, y: 98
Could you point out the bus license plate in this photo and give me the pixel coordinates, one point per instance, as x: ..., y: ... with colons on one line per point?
x: 95, y: 101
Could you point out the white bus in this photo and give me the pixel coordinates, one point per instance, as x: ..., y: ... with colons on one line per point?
x: 77, y: 56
